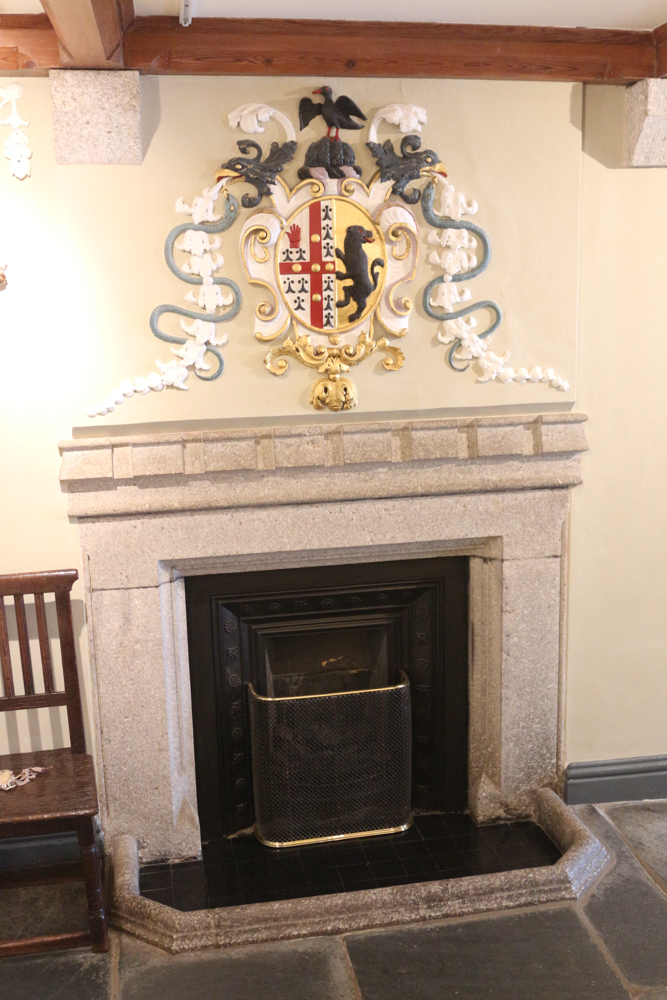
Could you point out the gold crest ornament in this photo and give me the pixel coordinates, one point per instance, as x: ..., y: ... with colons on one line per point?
x: 333, y: 255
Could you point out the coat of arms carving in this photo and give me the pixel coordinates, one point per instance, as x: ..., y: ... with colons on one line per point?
x: 334, y: 255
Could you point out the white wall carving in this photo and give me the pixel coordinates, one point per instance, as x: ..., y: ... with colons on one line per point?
x: 407, y: 117
x: 17, y: 146
x: 247, y: 117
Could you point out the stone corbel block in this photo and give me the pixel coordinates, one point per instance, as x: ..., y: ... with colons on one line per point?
x: 97, y: 116
x: 645, y: 124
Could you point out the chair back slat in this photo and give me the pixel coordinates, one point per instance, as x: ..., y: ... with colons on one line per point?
x: 59, y: 583
x: 5, y: 660
x: 44, y: 646
x: 24, y: 644
x: 68, y: 650
x: 33, y: 701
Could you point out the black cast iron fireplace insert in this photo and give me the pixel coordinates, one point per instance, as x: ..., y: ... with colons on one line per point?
x: 330, y: 630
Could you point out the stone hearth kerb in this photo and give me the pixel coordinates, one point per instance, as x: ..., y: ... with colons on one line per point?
x: 154, y: 509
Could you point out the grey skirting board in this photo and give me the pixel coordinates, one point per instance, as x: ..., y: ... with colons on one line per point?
x: 616, y: 780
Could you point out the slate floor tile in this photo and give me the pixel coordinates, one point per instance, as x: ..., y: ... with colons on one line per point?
x: 32, y: 910
x: 533, y: 955
x: 374, y: 851
x: 627, y: 909
x: 71, y: 975
x: 447, y: 844
x: 420, y: 866
x: 156, y: 879
x: 644, y: 826
x: 315, y: 969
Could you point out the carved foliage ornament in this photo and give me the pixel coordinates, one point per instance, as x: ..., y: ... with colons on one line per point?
x: 334, y: 256
x: 17, y: 148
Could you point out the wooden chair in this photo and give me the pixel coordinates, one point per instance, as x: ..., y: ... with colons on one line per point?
x: 64, y: 797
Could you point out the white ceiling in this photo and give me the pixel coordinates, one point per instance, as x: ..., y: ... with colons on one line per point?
x: 560, y: 13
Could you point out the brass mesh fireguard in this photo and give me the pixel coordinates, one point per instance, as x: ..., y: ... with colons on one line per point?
x: 331, y: 766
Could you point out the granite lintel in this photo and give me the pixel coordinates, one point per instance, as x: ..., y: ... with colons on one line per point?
x: 354, y: 445
x: 317, y: 484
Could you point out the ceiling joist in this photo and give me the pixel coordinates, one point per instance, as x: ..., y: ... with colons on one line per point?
x: 90, y: 32
x: 261, y: 47
x: 103, y: 33
x: 27, y: 41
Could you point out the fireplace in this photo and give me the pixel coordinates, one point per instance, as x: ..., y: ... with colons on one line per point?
x: 362, y: 666
x: 157, y: 512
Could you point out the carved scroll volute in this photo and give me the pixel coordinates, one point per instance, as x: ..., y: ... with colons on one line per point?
x: 400, y: 231
x: 258, y: 239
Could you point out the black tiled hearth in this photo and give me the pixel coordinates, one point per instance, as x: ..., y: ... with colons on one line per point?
x: 241, y: 870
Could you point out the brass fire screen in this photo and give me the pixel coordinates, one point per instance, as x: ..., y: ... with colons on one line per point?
x: 331, y: 766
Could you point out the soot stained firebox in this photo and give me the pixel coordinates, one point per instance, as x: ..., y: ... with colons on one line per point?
x: 297, y: 633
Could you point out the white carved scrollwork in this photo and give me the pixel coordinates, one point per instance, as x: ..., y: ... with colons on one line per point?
x: 247, y: 117
x: 408, y: 118
x: 17, y: 147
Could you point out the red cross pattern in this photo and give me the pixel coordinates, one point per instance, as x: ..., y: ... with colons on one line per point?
x: 314, y: 298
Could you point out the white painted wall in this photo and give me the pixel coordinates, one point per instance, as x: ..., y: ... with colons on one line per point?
x: 85, y: 267
x: 561, y: 13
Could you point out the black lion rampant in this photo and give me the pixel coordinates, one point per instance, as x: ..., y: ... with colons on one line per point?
x: 355, y: 262
x: 409, y: 166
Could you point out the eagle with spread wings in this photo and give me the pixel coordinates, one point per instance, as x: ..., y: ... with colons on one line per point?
x: 338, y: 114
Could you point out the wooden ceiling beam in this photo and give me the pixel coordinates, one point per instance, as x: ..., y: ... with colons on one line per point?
x: 27, y: 41
x: 660, y: 39
x: 94, y: 33
x: 90, y: 32
x: 258, y: 47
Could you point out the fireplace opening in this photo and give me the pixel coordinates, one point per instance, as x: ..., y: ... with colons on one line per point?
x: 389, y: 639
x: 312, y: 660
x: 373, y: 624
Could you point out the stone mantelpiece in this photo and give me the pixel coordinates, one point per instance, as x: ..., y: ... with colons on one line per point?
x: 235, y: 468
x: 153, y: 510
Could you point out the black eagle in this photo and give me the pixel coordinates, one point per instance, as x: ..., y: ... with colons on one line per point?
x: 337, y: 114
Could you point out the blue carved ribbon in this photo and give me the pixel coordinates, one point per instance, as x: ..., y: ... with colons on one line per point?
x: 440, y: 222
x: 230, y: 215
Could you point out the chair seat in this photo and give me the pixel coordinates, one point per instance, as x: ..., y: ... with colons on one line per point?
x: 67, y: 790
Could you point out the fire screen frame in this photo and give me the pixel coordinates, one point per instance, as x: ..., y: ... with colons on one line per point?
x: 331, y: 766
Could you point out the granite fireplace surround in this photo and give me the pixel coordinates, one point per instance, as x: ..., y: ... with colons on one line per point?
x: 155, y: 509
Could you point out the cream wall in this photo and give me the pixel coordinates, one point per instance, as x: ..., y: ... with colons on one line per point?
x: 617, y: 653
x: 86, y: 266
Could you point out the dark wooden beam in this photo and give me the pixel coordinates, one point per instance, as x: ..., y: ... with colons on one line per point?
x: 27, y: 41
x: 90, y: 32
x: 126, y: 9
x: 231, y: 46
x: 660, y: 40
x: 260, y: 47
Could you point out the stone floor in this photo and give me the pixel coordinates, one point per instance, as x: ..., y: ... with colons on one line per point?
x: 609, y: 945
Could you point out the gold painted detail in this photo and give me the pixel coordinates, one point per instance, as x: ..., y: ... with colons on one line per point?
x: 335, y: 392
x: 258, y: 237
x: 395, y: 234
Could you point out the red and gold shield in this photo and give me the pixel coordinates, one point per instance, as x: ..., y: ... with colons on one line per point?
x: 331, y: 265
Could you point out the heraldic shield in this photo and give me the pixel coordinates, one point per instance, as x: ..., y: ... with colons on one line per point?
x: 332, y: 254
x: 331, y: 265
